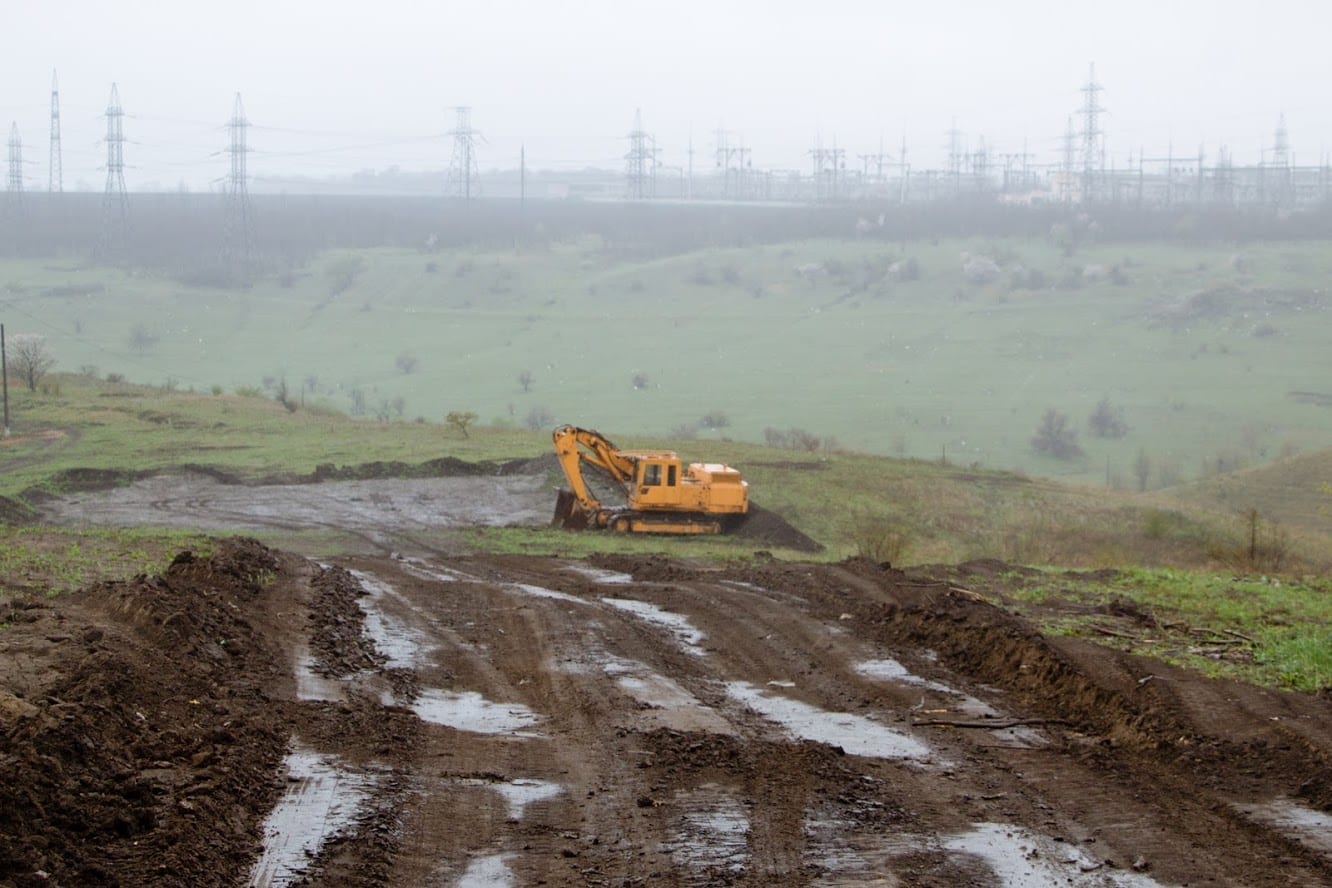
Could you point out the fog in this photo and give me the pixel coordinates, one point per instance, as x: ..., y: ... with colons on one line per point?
x: 332, y: 88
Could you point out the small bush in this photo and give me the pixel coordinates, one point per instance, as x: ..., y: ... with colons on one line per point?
x: 249, y: 391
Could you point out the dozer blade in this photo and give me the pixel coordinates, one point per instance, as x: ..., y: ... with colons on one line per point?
x: 568, y: 514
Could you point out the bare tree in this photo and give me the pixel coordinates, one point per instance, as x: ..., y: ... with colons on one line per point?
x: 525, y: 380
x: 29, y: 359
x: 460, y: 420
x: 1053, y: 436
x: 141, y: 339
x: 1107, y: 421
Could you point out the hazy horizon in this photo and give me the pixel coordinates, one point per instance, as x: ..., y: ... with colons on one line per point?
x: 331, y: 89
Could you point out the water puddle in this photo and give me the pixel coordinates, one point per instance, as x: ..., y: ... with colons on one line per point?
x: 401, y: 646
x: 711, y: 840
x: 542, y: 592
x: 841, y: 850
x: 469, y: 711
x: 855, y: 734
x: 487, y: 872
x: 665, y: 703
x: 1022, y: 859
x: 679, y: 626
x: 598, y: 575
x: 890, y: 670
x: 423, y: 571
x: 310, y: 685
x: 322, y: 800
x: 1309, y: 827
x: 518, y: 794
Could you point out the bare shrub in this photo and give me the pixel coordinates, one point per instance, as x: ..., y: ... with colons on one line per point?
x: 1263, y: 546
x: 1107, y: 421
x: 29, y: 358
x: 714, y: 420
x: 141, y: 339
x: 640, y: 382
x: 406, y: 363
x: 881, y: 539
x: 539, y: 418
x: 460, y: 420
x: 1055, y: 438
x: 525, y: 380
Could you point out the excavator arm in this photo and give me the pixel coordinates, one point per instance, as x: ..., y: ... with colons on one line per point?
x: 573, y: 447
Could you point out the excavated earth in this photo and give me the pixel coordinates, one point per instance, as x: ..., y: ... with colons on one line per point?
x: 258, y: 718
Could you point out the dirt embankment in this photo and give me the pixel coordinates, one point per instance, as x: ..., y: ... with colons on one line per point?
x: 140, y: 737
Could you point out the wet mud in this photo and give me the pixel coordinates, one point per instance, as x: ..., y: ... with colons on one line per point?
x: 256, y: 718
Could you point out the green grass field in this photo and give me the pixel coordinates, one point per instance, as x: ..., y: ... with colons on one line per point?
x: 1200, y: 347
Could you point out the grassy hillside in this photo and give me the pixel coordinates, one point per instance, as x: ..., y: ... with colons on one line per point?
x: 903, y: 510
x: 1214, y: 356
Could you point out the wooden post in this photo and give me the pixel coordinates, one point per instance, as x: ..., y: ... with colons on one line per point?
x: 4, y: 378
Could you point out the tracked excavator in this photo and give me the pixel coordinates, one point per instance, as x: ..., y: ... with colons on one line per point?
x: 661, y: 494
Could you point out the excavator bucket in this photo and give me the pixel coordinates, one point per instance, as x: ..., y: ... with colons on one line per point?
x: 568, y: 514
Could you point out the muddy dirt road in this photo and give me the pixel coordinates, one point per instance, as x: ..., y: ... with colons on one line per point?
x: 261, y: 719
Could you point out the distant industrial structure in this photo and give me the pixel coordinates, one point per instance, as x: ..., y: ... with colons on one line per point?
x: 1082, y: 174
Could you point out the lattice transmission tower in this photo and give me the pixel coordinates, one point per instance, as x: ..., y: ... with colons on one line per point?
x: 1092, y: 134
x: 55, y: 178
x: 115, y: 201
x: 462, y: 180
x: 15, y: 164
x: 238, y: 243
x: 640, y: 163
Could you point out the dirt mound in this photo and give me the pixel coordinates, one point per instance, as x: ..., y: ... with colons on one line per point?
x: 140, y: 741
x: 765, y: 526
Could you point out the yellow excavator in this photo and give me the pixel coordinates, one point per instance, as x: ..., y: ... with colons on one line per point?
x: 661, y: 494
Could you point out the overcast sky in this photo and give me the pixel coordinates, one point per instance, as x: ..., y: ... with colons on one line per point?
x: 334, y: 87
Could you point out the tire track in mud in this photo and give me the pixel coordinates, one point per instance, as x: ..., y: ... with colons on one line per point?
x: 534, y: 720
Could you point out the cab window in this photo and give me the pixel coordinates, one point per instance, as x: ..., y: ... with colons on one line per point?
x: 670, y: 476
x: 652, y: 474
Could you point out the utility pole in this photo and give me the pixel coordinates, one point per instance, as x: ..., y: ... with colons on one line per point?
x: 1091, y: 133
x: 115, y: 203
x: 4, y: 377
x: 55, y: 179
x: 689, y: 190
x: 239, y: 237
x: 462, y: 169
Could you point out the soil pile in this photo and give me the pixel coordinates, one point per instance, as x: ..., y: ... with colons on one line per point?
x: 140, y: 743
